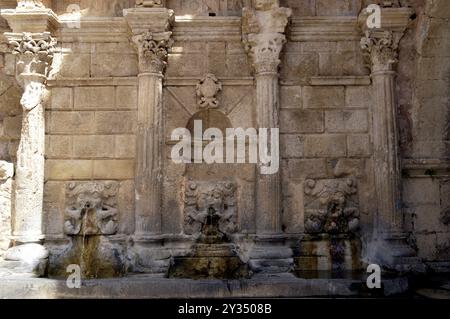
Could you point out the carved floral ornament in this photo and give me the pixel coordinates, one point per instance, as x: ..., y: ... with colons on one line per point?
x: 380, y: 48
x: 207, y: 90
x: 153, y: 50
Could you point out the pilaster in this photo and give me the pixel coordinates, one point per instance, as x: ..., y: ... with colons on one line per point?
x: 263, y: 35
x: 380, y: 48
x: 149, y: 25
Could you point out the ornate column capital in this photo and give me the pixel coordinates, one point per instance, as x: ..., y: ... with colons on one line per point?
x: 150, y: 25
x: 380, y: 49
x: 34, y: 52
x: 153, y: 50
x: 380, y: 45
x: 263, y: 30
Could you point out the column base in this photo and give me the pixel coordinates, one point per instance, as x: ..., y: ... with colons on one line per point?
x: 270, y: 255
x: 29, y: 260
x: 148, y: 255
x: 393, y: 252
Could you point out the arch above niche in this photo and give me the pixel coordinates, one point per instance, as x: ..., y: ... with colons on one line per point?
x: 210, y: 118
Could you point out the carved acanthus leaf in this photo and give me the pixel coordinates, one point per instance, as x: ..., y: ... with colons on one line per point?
x: 380, y: 48
x: 263, y: 33
x: 153, y: 50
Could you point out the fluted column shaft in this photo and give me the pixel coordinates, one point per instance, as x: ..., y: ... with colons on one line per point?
x: 149, y: 155
x: 381, y: 50
x: 385, y: 156
x: 268, y: 188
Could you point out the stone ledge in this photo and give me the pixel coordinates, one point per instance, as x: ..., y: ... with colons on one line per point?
x: 341, y: 28
x: 147, y: 286
x: 100, y: 81
x: 426, y: 167
x: 340, y: 80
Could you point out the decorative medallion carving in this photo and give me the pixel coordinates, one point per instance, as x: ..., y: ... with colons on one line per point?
x: 153, y: 50
x: 91, y: 208
x: 207, y: 90
x: 380, y: 49
x: 201, y: 197
x: 331, y: 206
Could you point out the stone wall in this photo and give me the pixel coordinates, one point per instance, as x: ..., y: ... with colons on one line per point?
x: 424, y: 106
x: 326, y: 115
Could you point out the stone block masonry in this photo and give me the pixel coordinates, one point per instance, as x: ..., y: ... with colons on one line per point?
x: 86, y: 126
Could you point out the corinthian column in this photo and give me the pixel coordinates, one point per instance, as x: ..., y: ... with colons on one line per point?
x: 263, y: 29
x: 34, y: 54
x: 149, y: 24
x: 380, y: 47
x: 152, y: 50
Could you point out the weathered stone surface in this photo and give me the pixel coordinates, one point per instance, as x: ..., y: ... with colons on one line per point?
x: 119, y: 86
x: 301, y: 121
x: 94, y: 98
x: 323, y: 97
x: 358, y: 145
x: 6, y: 174
x: 346, y: 121
x: 325, y: 146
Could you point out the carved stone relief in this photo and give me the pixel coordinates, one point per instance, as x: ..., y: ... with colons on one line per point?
x: 331, y: 206
x: 91, y: 208
x: 200, y: 197
x: 149, y: 3
x: 153, y: 50
x: 29, y: 4
x: 207, y: 90
x: 380, y: 49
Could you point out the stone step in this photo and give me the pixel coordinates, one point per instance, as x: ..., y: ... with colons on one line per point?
x: 261, y: 286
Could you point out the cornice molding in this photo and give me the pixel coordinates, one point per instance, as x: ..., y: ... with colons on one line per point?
x: 323, y: 29
x: 207, y: 28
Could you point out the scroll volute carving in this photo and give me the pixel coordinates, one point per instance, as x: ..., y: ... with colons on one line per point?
x: 331, y: 206
x: 91, y: 208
